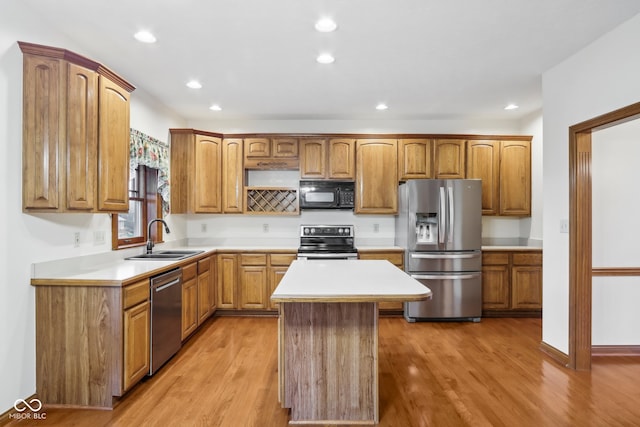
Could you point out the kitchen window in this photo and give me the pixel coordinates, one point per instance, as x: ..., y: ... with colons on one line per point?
x: 130, y: 229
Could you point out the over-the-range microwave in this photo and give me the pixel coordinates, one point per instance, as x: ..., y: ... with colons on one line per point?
x: 327, y: 194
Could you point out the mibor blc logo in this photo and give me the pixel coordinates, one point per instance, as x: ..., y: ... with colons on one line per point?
x: 28, y: 410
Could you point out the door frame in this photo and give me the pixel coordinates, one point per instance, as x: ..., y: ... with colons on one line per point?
x: 580, y: 234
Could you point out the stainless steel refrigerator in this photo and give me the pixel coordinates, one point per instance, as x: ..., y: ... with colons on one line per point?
x: 439, y: 225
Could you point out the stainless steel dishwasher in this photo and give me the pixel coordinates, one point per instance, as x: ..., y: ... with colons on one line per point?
x: 166, y: 317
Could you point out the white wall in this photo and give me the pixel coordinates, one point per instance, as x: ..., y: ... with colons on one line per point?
x: 35, y: 238
x: 601, y: 78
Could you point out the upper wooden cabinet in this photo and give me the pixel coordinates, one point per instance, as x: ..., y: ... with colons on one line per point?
x: 483, y: 162
x: 449, y: 158
x: 232, y: 175
x: 415, y: 159
x: 376, y: 176
x: 515, y: 178
x: 271, y: 153
x: 505, y: 170
x: 196, y: 172
x: 75, y: 133
x: 327, y: 159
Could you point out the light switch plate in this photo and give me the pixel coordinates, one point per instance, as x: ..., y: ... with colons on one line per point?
x: 564, y: 225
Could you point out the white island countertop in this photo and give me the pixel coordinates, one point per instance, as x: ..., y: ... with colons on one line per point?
x: 347, y: 281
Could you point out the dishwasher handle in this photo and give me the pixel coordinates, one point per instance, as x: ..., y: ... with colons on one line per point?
x: 168, y: 285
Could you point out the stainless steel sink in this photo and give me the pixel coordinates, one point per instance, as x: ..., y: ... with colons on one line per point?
x: 168, y: 255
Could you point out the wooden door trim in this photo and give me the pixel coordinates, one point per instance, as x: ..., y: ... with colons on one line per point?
x: 580, y: 234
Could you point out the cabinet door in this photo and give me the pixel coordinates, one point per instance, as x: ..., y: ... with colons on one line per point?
x: 526, y: 287
x: 313, y: 156
x: 82, y: 138
x: 227, y: 280
x: 284, y: 147
x: 189, y: 306
x: 275, y: 276
x: 208, y: 167
x: 483, y: 162
x: 136, y: 343
x: 232, y: 175
x: 342, y: 154
x: 515, y: 178
x: 376, y: 176
x: 257, y: 147
x: 113, y: 147
x: 213, y: 282
x: 415, y: 159
x: 495, y: 287
x: 449, y: 158
x: 42, y: 129
x: 204, y: 290
x: 253, y: 287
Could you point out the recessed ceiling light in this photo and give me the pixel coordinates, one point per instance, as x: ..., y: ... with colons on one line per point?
x: 326, y: 25
x: 145, y: 37
x: 215, y: 107
x: 194, y: 84
x: 511, y: 107
x: 382, y: 106
x: 325, y: 58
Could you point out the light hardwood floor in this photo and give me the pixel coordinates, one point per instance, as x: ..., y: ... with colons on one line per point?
x: 431, y: 374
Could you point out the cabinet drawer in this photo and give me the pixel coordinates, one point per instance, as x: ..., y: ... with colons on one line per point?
x: 282, y: 259
x: 204, y: 265
x: 495, y: 258
x: 253, y: 259
x: 534, y: 258
x: 189, y: 271
x: 136, y: 293
x: 395, y: 258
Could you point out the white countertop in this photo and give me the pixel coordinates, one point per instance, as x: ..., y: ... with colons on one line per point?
x: 347, y: 281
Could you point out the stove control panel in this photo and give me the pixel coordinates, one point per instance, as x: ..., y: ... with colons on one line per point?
x: 326, y: 230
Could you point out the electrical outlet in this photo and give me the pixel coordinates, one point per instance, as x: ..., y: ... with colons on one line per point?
x: 564, y: 225
x: 203, y: 227
x: 265, y: 228
x: 376, y: 228
x: 76, y: 239
x: 98, y: 237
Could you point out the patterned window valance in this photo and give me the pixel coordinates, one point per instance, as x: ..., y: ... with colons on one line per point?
x: 151, y: 152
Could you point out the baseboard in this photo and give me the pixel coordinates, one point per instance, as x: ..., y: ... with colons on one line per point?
x: 555, y: 354
x: 615, y: 350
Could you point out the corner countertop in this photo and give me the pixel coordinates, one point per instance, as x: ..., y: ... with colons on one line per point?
x: 347, y: 281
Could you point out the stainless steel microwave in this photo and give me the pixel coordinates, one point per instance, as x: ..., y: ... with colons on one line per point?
x: 327, y: 194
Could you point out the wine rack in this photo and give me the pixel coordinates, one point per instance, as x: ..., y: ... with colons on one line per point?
x: 269, y: 200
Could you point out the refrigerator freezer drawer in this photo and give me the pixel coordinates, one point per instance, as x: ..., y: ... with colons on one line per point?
x: 444, y: 261
x: 456, y: 296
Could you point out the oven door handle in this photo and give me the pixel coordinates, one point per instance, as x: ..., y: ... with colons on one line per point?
x: 327, y: 256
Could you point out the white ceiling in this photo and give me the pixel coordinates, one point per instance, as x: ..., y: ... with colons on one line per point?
x: 427, y: 59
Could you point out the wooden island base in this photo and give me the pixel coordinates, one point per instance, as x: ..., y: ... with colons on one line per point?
x: 328, y: 337
x: 328, y: 358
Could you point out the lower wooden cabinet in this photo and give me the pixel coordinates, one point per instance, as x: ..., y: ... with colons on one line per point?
x: 395, y: 257
x: 512, y: 283
x: 198, y: 294
x: 253, y: 281
x: 247, y: 280
x: 227, y: 281
x: 136, y: 343
x: 189, y: 299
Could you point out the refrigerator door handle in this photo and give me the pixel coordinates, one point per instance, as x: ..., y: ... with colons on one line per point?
x: 445, y: 276
x: 441, y: 216
x: 451, y: 215
x: 445, y: 256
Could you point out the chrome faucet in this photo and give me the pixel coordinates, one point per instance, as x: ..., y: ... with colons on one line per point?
x: 150, y: 243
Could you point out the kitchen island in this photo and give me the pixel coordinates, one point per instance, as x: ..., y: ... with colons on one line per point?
x: 328, y: 337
